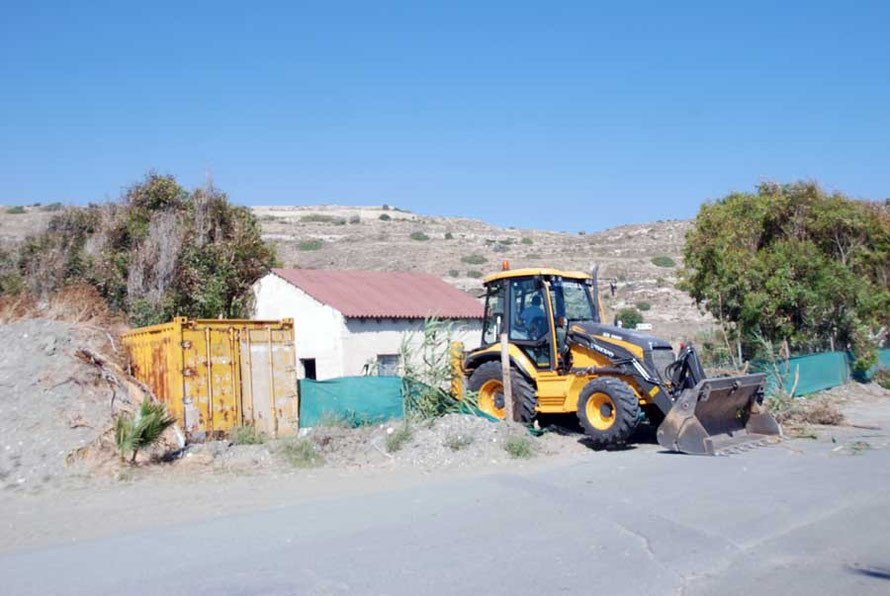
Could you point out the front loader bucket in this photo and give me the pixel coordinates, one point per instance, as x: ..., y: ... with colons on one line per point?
x: 717, y: 416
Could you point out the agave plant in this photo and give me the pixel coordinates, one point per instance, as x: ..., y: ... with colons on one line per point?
x: 132, y: 433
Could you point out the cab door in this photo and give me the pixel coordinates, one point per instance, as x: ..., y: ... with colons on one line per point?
x: 530, y: 321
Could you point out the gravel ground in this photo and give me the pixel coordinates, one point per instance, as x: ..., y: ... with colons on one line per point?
x: 455, y: 441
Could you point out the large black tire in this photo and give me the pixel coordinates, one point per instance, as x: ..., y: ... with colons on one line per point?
x: 612, y: 396
x: 525, y: 398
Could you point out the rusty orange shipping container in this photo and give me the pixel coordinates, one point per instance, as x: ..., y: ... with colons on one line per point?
x: 218, y: 374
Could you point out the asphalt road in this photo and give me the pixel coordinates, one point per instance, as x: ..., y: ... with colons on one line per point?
x: 800, y: 518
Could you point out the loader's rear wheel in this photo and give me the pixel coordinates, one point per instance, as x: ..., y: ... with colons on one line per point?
x: 609, y: 411
x: 488, y: 382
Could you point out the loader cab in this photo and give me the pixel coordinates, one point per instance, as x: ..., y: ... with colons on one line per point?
x: 535, y: 308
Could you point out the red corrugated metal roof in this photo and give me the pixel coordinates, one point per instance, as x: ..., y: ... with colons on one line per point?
x: 384, y: 294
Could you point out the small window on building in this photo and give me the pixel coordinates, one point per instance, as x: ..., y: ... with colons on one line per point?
x: 308, y: 368
x: 387, y: 365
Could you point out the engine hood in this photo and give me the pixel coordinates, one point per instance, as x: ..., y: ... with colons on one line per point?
x: 588, y: 329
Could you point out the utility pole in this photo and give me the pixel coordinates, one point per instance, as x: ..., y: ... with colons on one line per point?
x: 505, y: 377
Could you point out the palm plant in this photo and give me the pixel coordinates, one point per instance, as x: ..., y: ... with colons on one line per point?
x: 132, y: 433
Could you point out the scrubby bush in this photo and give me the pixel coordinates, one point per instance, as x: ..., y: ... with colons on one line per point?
x: 355, y: 219
x: 630, y: 318
x: 384, y: 217
x: 473, y: 274
x: 474, y: 259
x: 419, y: 236
x: 158, y: 252
x: 527, y: 240
x: 17, y: 210
x: 309, y: 245
x: 52, y: 207
x: 643, y: 306
x: 453, y: 273
x: 449, y: 236
x: 663, y: 262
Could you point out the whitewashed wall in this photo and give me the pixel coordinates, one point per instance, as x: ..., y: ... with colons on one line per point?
x: 366, y: 338
x: 318, y: 328
x: 340, y: 346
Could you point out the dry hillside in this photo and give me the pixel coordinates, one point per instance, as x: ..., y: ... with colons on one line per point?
x: 454, y: 249
x: 460, y: 250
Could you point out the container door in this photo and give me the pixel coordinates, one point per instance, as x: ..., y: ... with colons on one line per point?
x: 211, y: 380
x: 269, y: 380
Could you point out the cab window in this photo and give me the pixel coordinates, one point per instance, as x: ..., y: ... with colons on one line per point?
x: 530, y: 321
x: 494, y: 314
x: 572, y: 300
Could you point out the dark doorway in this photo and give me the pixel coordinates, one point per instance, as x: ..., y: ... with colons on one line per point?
x: 308, y: 367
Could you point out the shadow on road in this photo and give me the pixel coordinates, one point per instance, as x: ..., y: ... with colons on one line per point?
x: 875, y: 572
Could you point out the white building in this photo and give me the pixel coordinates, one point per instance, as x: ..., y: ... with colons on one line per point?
x: 347, y: 322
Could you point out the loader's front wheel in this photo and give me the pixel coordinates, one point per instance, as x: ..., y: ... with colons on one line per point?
x: 487, y: 381
x: 609, y: 411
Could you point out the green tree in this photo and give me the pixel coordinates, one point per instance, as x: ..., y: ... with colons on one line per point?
x: 792, y: 263
x: 630, y: 317
x: 161, y: 251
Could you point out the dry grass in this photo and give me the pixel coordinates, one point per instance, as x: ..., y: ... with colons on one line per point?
x: 78, y: 304
x: 822, y: 411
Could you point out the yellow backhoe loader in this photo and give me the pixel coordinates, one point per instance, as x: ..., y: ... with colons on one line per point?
x: 565, y: 359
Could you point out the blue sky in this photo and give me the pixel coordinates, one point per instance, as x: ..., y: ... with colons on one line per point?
x: 567, y: 116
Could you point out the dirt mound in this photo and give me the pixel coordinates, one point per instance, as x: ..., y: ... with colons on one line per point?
x: 55, y: 408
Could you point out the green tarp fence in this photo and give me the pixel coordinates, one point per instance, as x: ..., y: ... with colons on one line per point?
x: 816, y: 372
x: 354, y: 400
x: 360, y: 400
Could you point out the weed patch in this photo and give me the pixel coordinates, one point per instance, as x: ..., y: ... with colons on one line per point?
x: 519, y: 446
x: 458, y: 442
x: 248, y: 435
x: 301, y: 453
x: 398, y: 438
